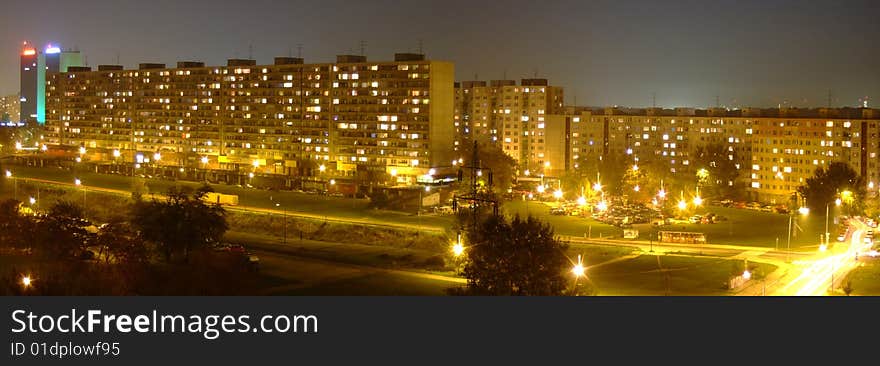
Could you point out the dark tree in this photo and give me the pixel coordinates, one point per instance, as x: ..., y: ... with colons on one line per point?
x: 16, y: 230
x: 826, y: 183
x: 720, y: 162
x: 181, y: 223
x: 519, y: 257
x: 119, y: 243
x: 492, y: 157
x: 62, y: 232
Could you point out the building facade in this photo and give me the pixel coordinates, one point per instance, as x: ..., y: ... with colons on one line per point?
x: 342, y: 119
x: 10, y: 108
x: 510, y: 115
x: 776, y: 149
x: 35, y: 65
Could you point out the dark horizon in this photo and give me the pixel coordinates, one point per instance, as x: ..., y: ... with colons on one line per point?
x: 684, y: 53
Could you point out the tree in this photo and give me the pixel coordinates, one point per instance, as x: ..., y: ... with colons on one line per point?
x: 63, y: 231
x: 827, y: 182
x: 490, y: 156
x: 118, y: 242
x: 518, y: 257
x: 16, y: 230
x: 718, y: 170
x: 181, y: 223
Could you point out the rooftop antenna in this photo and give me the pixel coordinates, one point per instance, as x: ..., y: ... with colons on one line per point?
x: 363, y: 46
x: 299, y: 50
x: 289, y: 51
x: 536, y: 72
x: 829, y: 98
x: 117, y: 57
x: 654, y: 99
x: 421, y: 51
x: 250, y: 52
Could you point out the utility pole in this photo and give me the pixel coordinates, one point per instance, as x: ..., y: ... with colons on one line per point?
x: 474, y: 196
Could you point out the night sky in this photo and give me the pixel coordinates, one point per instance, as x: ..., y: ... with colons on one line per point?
x: 748, y: 53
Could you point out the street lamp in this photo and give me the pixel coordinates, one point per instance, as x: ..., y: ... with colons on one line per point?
x: 26, y: 281
x: 578, y: 269
x: 557, y: 194
x: 458, y: 247
x: 582, y: 201
x: 804, y: 211
x: 602, y: 206
x: 14, y: 184
x: 541, y: 188
x: 682, y: 205
x: 78, y: 183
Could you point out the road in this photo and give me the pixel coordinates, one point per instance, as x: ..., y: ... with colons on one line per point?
x: 364, y: 221
x: 288, y: 274
x: 824, y: 272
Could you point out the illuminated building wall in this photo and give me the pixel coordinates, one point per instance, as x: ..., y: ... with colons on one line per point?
x: 28, y: 85
x: 510, y: 115
x: 9, y: 106
x: 776, y: 150
x: 288, y: 118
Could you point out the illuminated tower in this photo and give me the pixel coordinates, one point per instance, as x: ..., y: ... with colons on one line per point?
x: 34, y: 67
x: 29, y: 71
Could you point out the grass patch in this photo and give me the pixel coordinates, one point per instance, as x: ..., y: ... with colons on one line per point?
x: 865, y: 280
x: 684, y: 276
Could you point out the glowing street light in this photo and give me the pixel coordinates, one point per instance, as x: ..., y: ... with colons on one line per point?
x: 157, y: 156
x: 256, y: 164
x: 32, y: 201
x: 602, y: 206
x: 823, y: 247
x: 26, y: 281
x: 332, y: 182
x: 837, y: 202
x: 578, y: 270
x: 541, y: 188
x: 394, y: 172
x: 82, y: 150
x: 204, y: 160
x: 8, y: 174
x: 251, y: 175
x: 77, y: 182
x: 528, y: 172
x: 804, y: 210
x: 432, y: 171
x: 457, y: 247
x: 635, y: 167
x: 661, y: 194
x: 582, y: 201
x: 557, y: 194
x: 637, y: 188
x: 116, y: 153
x: 698, y: 201
x: 747, y: 275
x: 682, y: 205
x: 18, y: 145
x: 322, y: 168
x: 597, y: 187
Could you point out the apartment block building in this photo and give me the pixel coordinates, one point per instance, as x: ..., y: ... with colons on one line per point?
x: 10, y: 108
x: 289, y: 118
x: 776, y: 149
x: 510, y: 115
